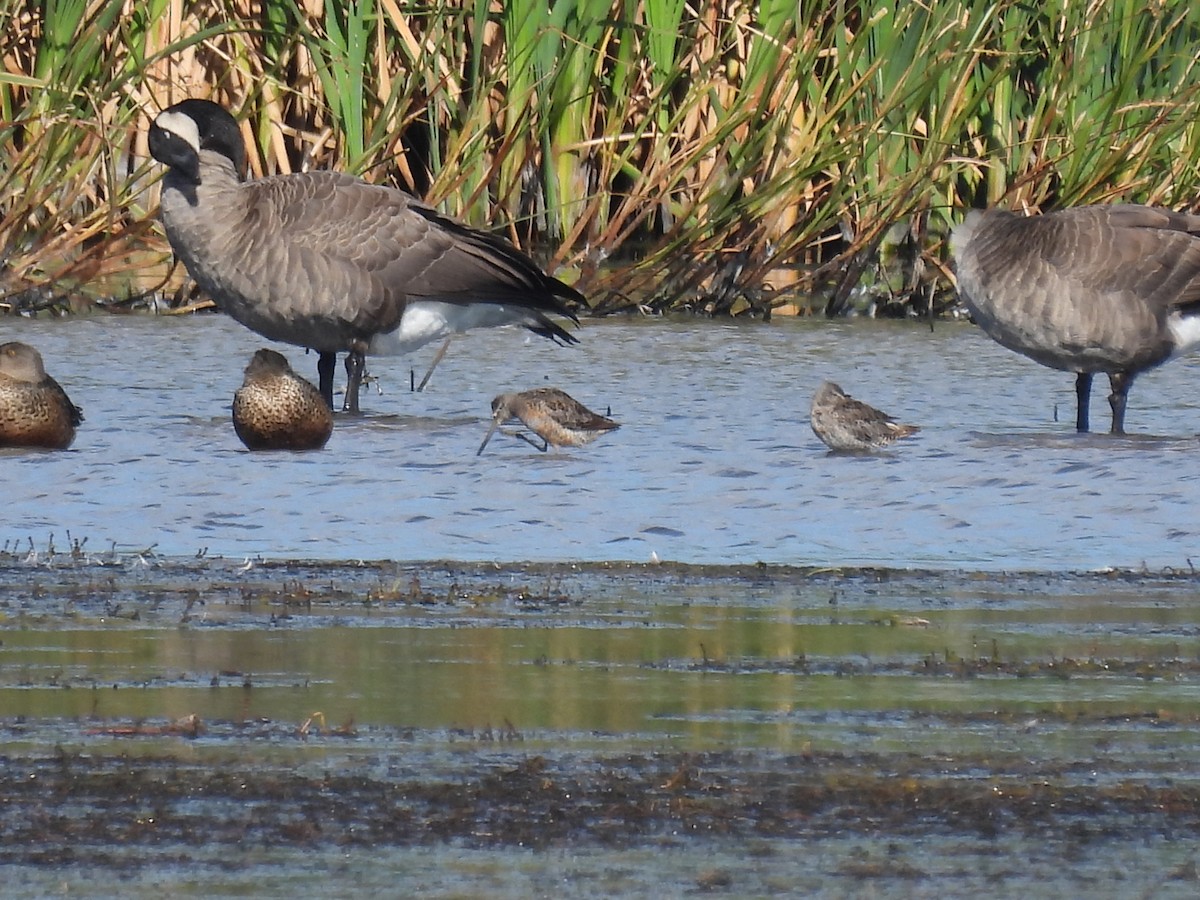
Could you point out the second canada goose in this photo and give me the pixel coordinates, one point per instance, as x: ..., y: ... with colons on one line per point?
x: 1112, y: 289
x: 553, y: 415
x: 845, y: 424
x: 329, y: 262
x: 34, y: 409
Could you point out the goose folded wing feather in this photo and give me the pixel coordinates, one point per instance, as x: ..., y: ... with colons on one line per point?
x: 408, y: 249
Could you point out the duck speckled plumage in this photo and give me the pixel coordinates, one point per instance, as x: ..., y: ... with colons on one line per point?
x: 1112, y: 289
x: 34, y: 409
x: 326, y: 261
x: 276, y: 409
x: 553, y: 415
x: 849, y: 425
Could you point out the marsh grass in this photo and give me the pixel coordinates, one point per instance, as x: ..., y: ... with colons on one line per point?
x: 728, y: 158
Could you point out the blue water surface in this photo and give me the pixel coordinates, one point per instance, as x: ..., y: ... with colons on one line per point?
x: 714, y: 463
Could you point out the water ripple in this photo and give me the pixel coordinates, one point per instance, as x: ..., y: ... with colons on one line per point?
x: 721, y: 469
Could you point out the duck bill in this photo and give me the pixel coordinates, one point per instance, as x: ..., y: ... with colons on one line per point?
x: 487, y: 437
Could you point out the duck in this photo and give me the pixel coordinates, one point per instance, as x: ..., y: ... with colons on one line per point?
x: 326, y: 261
x: 276, y: 409
x: 553, y: 415
x: 1112, y: 289
x: 848, y: 425
x: 34, y: 409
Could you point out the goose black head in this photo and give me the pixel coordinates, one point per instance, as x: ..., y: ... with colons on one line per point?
x: 180, y: 132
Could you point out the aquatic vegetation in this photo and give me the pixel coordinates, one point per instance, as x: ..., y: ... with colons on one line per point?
x: 733, y: 161
x: 589, y: 799
x: 320, y: 710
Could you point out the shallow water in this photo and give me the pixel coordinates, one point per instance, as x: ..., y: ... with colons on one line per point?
x: 714, y: 463
x: 577, y: 655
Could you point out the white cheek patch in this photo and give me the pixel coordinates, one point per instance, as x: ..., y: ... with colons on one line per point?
x: 180, y: 125
x: 1185, y: 330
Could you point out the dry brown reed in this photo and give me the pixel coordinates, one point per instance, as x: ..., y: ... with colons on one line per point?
x: 726, y: 158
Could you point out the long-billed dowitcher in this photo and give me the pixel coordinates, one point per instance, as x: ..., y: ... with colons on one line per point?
x: 553, y: 415
x: 846, y: 424
x: 327, y: 261
x: 276, y: 409
x: 34, y: 409
x: 1112, y: 289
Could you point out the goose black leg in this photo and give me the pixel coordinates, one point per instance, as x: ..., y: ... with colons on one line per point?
x: 1120, y: 382
x: 1083, y: 395
x: 355, y: 363
x: 326, y: 363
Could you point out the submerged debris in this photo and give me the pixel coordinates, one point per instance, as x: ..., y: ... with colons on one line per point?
x: 85, y: 807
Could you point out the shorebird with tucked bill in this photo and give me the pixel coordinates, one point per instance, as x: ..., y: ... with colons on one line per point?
x: 849, y: 425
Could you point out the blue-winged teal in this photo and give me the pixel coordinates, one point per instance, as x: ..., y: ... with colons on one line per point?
x: 554, y: 416
x: 34, y: 410
x: 1112, y: 289
x: 276, y: 409
x: 846, y: 424
x: 326, y: 261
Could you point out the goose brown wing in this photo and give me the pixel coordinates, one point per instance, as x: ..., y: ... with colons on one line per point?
x: 317, y: 244
x: 461, y: 264
x: 456, y: 264
x: 369, y: 248
x: 1130, y: 252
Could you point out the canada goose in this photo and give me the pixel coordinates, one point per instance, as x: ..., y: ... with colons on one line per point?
x: 1113, y: 289
x: 326, y: 261
x: 553, y: 415
x: 276, y: 409
x: 34, y: 410
x: 846, y: 424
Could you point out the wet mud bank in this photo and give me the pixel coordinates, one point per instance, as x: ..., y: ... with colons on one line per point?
x: 140, y: 586
x: 658, y: 728
x: 104, y: 808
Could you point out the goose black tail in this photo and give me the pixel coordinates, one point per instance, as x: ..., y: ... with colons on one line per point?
x: 547, y: 328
